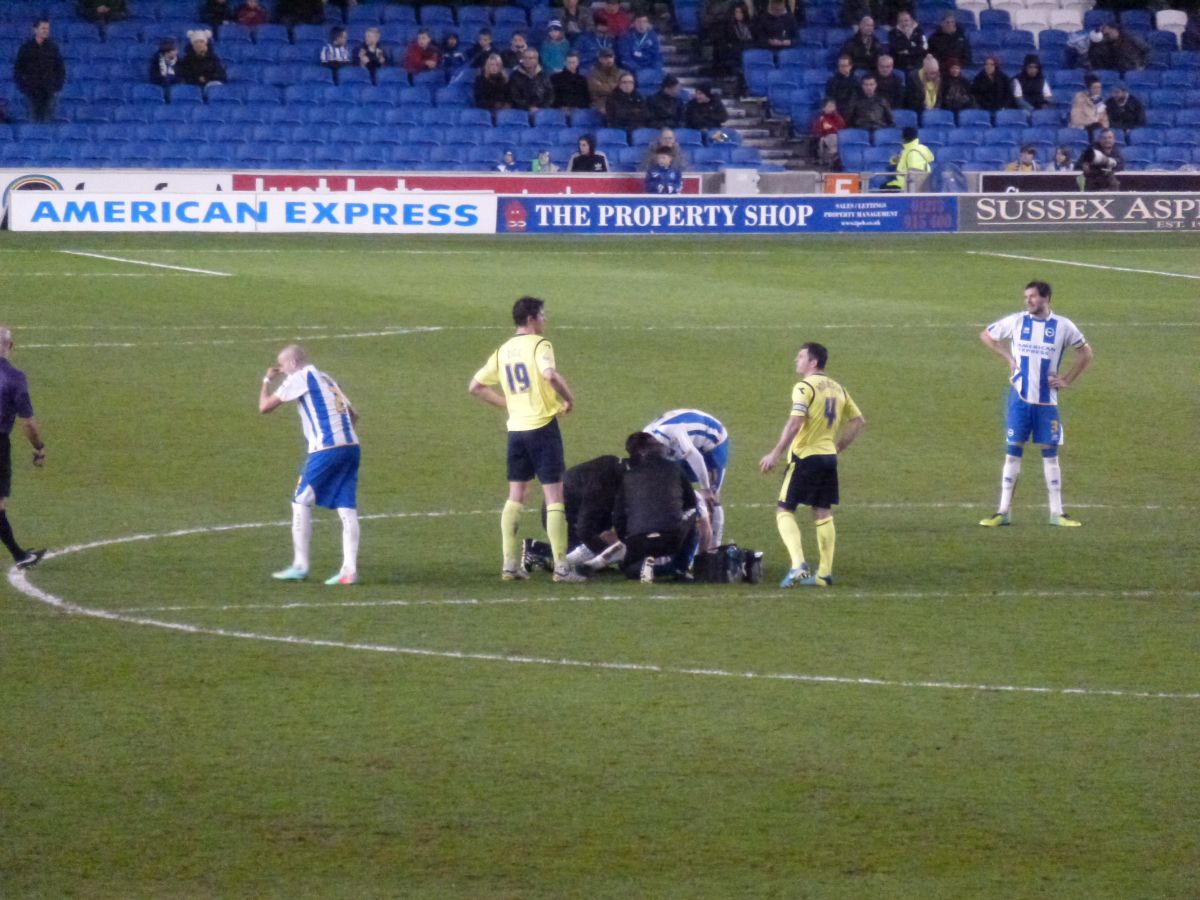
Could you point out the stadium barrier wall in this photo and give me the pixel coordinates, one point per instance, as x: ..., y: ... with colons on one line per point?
x: 1079, y: 212
x: 375, y: 213
x: 1067, y: 183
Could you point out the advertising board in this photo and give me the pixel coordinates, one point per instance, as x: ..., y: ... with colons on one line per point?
x: 1079, y: 212
x: 248, y: 212
x: 725, y: 215
x: 133, y: 181
x: 1066, y: 183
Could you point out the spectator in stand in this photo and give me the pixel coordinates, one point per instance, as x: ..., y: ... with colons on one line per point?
x: 39, y: 72
x: 889, y: 83
x: 603, y: 79
x: 336, y: 54
x: 251, y: 14
x: 869, y: 110
x: 300, y: 12
x: 491, y: 85
x: 422, y: 54
x: 617, y: 20
x: 705, y: 110
x: 103, y: 11
x: 529, y: 85
x: 1063, y: 160
x: 481, y: 49
x: 639, y: 49
x: 663, y: 177
x: 516, y: 51
x: 542, y: 164
x: 162, y: 64
x: 924, y: 86
x: 371, y: 54
x: 949, y: 43
x: 907, y: 44
x: 508, y: 163
x: 864, y: 47
x: 1026, y: 161
x: 454, y: 57
x: 1100, y: 162
x: 777, y: 27
x: 732, y: 36
x: 1118, y: 50
x: 1030, y: 89
x: 554, y: 48
x: 626, y: 107
x: 666, y: 141
x: 842, y: 86
x: 591, y: 43
x: 665, y: 109
x: 1124, y: 110
x: 956, y: 92
x: 576, y: 18
x: 1088, y: 109
x: 991, y: 87
x: 825, y: 128
x: 215, y: 13
x: 200, y: 65
x: 570, y: 88
x: 588, y: 159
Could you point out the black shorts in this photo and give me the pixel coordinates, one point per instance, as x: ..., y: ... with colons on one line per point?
x: 5, y: 466
x: 538, y: 452
x: 811, y: 481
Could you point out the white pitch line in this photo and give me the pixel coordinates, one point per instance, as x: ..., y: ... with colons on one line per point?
x: 19, y: 580
x: 10, y: 274
x: 219, y: 342
x: 140, y: 262
x: 1082, y: 265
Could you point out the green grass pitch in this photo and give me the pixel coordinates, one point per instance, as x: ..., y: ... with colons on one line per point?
x: 602, y: 740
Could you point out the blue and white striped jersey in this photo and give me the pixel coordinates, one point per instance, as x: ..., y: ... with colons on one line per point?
x: 1037, y: 346
x: 324, y: 409
x: 688, y: 436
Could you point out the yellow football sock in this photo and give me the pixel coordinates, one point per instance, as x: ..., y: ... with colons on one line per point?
x: 556, y: 529
x: 826, y: 539
x: 509, y: 523
x: 789, y: 530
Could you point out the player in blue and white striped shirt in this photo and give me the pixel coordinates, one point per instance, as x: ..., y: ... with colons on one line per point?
x: 700, y: 444
x: 330, y: 474
x: 1033, y: 343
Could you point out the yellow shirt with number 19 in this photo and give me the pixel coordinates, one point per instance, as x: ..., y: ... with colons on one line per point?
x: 517, y: 368
x: 825, y: 405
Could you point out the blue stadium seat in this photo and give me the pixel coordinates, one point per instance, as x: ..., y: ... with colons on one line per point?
x: 1146, y: 137
x: 608, y: 138
x: 1052, y: 118
x: 550, y: 117
x: 1139, y: 155
x: 1188, y: 118
x: 937, y: 117
x: 147, y: 93
x: 1173, y: 156
x: 1012, y: 117
x: 586, y: 118
x: 1164, y: 98
x: 184, y: 94
x: 1179, y: 79
x: 454, y: 95
x: 853, y: 157
x: 364, y: 115
x: 974, y: 117
x: 995, y: 19
x: 513, y: 117
x: 1137, y: 19
x: 1182, y: 136
x: 479, y: 118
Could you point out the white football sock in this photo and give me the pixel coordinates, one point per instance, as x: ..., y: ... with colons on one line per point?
x: 349, y: 540
x: 1053, y: 474
x: 718, y: 524
x: 1008, y: 482
x: 301, y: 535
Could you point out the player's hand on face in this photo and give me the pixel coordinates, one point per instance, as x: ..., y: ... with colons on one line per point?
x: 274, y: 372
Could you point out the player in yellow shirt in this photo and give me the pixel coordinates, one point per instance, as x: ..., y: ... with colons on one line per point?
x: 823, y: 422
x: 533, y: 394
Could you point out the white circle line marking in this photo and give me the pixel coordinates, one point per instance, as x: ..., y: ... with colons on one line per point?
x: 19, y: 580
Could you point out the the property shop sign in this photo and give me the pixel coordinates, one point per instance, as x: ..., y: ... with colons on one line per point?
x: 1080, y: 212
x: 724, y: 215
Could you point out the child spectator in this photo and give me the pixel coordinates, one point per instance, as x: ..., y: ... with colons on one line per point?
x: 251, y: 14
x: 162, y: 64
x: 371, y: 54
x: 200, y: 65
x: 508, y: 163
x: 542, y: 163
x: 336, y: 54
x: 662, y: 177
x: 554, y: 48
x: 454, y: 58
x: 422, y: 54
x: 1026, y: 161
x: 825, y: 128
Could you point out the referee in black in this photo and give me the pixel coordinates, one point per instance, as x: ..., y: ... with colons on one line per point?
x: 15, y: 404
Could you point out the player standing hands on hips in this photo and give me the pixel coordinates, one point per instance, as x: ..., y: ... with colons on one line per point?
x: 15, y: 404
x: 330, y: 474
x: 823, y: 422
x: 1032, y: 343
x: 533, y: 394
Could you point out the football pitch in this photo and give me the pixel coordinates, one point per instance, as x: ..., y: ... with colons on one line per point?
x: 969, y: 712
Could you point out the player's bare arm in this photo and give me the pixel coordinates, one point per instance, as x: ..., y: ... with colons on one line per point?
x: 267, y: 401
x: 790, y: 430
x: 1000, y: 348
x: 1083, y: 359
x: 30, y: 427
x: 487, y: 394
x: 560, y: 386
x: 850, y: 432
